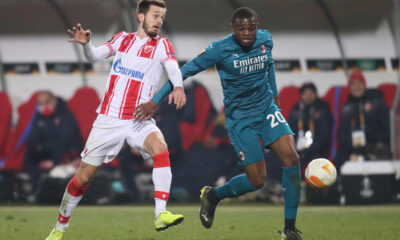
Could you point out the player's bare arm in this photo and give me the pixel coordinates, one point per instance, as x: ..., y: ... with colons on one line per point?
x: 80, y: 35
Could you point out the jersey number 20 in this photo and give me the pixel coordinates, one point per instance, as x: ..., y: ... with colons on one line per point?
x: 277, y: 115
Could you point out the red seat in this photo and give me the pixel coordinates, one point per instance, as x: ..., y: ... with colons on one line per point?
x: 83, y: 105
x: 5, y: 121
x: 200, y: 130
x: 288, y: 97
x: 389, y: 92
x: 16, y: 147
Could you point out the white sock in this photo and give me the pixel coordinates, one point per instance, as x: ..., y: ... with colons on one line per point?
x: 162, y: 178
x: 72, y: 195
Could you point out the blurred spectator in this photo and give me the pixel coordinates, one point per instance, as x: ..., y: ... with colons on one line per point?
x: 311, y: 121
x: 54, y: 135
x: 204, y: 155
x: 211, y: 162
x: 364, y: 123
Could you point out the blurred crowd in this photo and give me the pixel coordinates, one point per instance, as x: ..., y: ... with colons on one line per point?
x: 49, y: 145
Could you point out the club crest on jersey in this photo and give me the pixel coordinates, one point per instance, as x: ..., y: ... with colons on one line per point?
x: 148, y: 49
x: 126, y: 71
x: 262, y: 48
x: 241, y: 156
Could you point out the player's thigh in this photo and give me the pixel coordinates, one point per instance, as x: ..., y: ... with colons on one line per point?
x: 155, y: 143
x: 285, y: 150
x: 105, y: 140
x: 139, y: 133
x: 246, y: 142
x: 274, y: 126
x: 278, y: 136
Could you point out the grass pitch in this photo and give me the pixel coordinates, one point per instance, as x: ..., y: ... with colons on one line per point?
x: 232, y: 222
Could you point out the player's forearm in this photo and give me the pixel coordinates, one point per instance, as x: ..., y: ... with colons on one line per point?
x: 189, y: 69
x: 272, y: 79
x: 175, y: 80
x: 164, y: 91
x: 174, y: 73
x: 94, y: 54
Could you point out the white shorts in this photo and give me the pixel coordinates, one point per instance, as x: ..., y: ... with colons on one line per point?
x: 108, y: 135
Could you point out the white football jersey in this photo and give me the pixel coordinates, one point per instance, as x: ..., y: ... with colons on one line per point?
x: 135, y: 72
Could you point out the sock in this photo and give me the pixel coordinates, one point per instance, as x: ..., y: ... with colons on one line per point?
x: 237, y: 186
x: 290, y: 223
x: 73, y: 194
x: 291, y: 193
x: 162, y: 178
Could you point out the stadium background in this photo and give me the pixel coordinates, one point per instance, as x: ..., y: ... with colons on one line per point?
x: 314, y: 40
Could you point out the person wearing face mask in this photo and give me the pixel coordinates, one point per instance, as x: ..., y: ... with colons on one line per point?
x: 312, y: 121
x: 364, y: 130
x: 54, y: 133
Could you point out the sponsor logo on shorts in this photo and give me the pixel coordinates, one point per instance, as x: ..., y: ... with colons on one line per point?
x: 241, y: 156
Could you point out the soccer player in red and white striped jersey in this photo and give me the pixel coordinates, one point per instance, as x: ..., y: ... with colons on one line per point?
x: 139, y: 61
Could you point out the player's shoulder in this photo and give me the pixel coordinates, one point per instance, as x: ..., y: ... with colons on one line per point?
x: 264, y: 37
x: 164, y: 43
x: 224, y: 43
x: 163, y: 40
x: 116, y: 36
x: 120, y: 34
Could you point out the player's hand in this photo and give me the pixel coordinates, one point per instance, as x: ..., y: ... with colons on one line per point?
x: 178, y: 97
x: 80, y: 35
x: 277, y: 103
x: 145, y: 111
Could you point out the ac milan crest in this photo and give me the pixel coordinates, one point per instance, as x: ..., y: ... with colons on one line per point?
x: 262, y: 48
x: 241, y: 156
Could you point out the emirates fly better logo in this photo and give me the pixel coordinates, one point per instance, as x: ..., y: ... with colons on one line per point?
x: 251, y: 64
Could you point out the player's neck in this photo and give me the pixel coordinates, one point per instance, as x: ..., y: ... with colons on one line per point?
x: 141, y: 33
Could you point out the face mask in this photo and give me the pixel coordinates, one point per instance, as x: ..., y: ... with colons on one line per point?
x: 46, y: 110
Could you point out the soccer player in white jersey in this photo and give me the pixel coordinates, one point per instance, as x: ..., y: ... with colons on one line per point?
x: 139, y: 60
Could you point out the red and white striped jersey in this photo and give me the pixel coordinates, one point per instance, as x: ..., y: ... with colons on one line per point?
x: 135, y: 72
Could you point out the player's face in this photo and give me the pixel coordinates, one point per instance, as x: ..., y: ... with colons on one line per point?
x: 154, y: 20
x: 357, y: 88
x: 244, y: 30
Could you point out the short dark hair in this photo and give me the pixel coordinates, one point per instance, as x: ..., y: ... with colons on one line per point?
x: 308, y: 85
x: 143, y: 6
x: 244, y: 12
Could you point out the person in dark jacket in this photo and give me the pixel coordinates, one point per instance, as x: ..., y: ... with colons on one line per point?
x: 311, y: 121
x: 364, y: 130
x: 54, y: 133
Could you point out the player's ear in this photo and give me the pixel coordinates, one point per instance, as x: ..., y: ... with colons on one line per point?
x: 232, y: 27
x: 140, y: 17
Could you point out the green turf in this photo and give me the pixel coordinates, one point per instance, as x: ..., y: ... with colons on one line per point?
x: 232, y: 222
